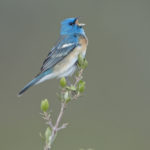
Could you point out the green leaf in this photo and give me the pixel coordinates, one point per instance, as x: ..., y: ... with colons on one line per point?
x: 44, y: 105
x: 81, y: 86
x: 67, y: 97
x: 72, y: 88
x: 63, y: 82
x: 80, y: 60
x: 85, y: 64
x: 48, y: 133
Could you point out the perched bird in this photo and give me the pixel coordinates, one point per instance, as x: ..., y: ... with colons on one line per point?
x: 62, y: 59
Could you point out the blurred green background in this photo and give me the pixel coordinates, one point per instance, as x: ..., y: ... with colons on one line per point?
x: 114, y: 112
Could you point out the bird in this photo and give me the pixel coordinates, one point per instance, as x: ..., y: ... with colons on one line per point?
x: 61, y: 61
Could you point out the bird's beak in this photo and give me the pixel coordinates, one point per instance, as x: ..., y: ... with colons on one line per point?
x: 77, y: 22
x: 81, y: 24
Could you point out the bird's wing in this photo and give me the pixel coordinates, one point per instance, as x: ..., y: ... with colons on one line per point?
x: 63, y: 47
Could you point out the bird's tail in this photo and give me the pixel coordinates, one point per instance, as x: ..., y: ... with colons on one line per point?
x: 34, y: 81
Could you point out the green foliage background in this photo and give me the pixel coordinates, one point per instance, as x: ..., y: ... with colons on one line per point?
x: 114, y: 112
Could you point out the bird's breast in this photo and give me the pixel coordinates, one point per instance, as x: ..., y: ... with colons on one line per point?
x: 83, y: 41
x: 72, y: 57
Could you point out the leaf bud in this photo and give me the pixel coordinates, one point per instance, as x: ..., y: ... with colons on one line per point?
x: 44, y: 105
x: 48, y: 133
x: 81, y: 86
x: 63, y: 82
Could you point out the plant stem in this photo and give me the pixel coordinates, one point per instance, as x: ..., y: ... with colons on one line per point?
x: 56, y: 127
x: 63, y: 105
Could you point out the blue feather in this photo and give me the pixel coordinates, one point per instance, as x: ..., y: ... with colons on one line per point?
x: 34, y: 81
x: 70, y: 27
x: 70, y: 34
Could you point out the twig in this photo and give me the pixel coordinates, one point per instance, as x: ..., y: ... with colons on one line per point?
x: 72, y: 95
x: 78, y: 78
x: 56, y: 127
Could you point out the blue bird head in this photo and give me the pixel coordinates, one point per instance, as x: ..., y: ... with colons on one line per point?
x: 71, y: 26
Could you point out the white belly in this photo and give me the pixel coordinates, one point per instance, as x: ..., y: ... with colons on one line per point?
x: 68, y: 72
x: 66, y: 67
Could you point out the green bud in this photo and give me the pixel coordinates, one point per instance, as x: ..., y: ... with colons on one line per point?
x: 63, y: 82
x: 81, y: 86
x: 72, y: 88
x: 67, y: 97
x: 48, y: 133
x: 80, y: 60
x: 44, y: 105
x: 85, y: 64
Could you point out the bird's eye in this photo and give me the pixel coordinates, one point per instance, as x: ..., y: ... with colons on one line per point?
x: 70, y: 23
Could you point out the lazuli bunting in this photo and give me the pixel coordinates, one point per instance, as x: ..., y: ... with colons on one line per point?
x: 62, y: 59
